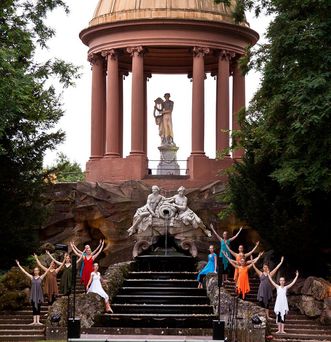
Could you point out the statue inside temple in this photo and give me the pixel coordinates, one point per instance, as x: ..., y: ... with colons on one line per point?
x: 163, y: 118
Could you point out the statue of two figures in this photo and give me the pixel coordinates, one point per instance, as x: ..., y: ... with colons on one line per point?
x: 174, y: 209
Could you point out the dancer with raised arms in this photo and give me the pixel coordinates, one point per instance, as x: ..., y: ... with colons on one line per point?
x: 243, y: 280
x: 241, y: 255
x: 88, y: 260
x: 264, y: 294
x: 36, y: 292
x: 225, y: 241
x: 281, y: 306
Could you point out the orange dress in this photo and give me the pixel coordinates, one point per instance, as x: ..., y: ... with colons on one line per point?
x: 236, y: 270
x: 243, y: 282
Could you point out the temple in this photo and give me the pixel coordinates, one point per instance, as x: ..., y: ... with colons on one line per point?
x: 165, y: 37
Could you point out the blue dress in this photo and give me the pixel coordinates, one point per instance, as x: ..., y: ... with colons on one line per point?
x: 225, y: 261
x: 210, y: 267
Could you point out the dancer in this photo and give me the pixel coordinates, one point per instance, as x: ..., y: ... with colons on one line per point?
x: 74, y: 247
x: 243, y: 281
x: 88, y: 261
x: 94, y: 286
x: 281, y: 305
x: 211, y: 266
x: 50, y: 287
x: 239, y: 256
x: 66, y: 277
x: 36, y: 293
x: 225, y: 242
x: 264, y: 294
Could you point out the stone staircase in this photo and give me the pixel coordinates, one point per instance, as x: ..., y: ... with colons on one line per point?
x: 299, y: 328
x: 15, y: 326
x: 160, y: 297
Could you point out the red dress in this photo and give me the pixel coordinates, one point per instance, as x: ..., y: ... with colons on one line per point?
x: 87, y: 270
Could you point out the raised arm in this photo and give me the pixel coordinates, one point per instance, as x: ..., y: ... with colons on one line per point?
x: 39, y: 263
x: 272, y: 282
x: 252, y: 251
x: 234, y: 264
x: 23, y: 270
x: 255, y: 260
x: 214, y: 231
x: 44, y: 274
x: 96, y: 250
x: 53, y: 259
x: 294, y: 280
x: 234, y: 237
x: 273, y: 272
x: 99, y: 251
x: 75, y: 249
x: 57, y: 270
x: 231, y: 251
x: 258, y: 272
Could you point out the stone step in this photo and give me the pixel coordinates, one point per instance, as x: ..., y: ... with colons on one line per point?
x: 23, y: 338
x: 155, y: 320
x: 308, y: 331
x: 160, y: 283
x: 162, y: 275
x: 22, y: 332
x: 285, y: 339
x: 302, y: 337
x: 19, y: 326
x: 163, y: 291
x: 162, y: 309
x: 148, y: 331
x: 160, y: 299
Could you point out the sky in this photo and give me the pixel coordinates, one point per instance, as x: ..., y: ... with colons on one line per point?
x: 77, y: 100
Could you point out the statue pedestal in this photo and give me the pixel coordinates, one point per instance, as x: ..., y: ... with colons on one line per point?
x: 168, y: 160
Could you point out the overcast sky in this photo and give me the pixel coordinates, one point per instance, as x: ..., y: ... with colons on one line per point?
x: 77, y: 101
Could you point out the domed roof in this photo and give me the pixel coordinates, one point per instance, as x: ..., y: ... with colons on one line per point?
x: 108, y: 11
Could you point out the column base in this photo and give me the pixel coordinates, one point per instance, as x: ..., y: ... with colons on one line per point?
x: 116, y: 169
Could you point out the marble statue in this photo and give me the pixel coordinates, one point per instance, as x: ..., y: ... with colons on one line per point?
x: 142, y: 219
x: 174, y: 209
x: 184, y: 213
x: 163, y: 118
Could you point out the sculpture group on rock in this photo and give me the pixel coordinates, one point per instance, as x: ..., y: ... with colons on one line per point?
x: 174, y: 209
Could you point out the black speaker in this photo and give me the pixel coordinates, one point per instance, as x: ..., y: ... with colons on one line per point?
x: 74, y: 328
x: 61, y: 247
x: 218, y: 330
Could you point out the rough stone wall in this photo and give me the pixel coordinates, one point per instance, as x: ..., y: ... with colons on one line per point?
x: 86, y: 212
x: 238, y: 325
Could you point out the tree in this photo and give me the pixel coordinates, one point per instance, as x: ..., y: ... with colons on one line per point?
x: 29, y: 109
x: 283, y: 185
x: 66, y: 171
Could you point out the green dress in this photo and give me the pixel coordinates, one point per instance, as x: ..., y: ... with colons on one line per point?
x: 66, y: 280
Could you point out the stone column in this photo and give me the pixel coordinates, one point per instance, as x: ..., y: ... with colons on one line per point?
x: 98, y: 104
x: 137, y: 107
x: 121, y: 77
x: 238, y: 102
x: 198, y: 100
x: 222, y: 101
x: 146, y: 77
x: 112, y: 105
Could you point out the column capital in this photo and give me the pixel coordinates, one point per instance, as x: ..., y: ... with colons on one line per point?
x: 111, y: 53
x: 226, y: 55
x: 135, y: 51
x: 200, y: 51
x: 94, y: 58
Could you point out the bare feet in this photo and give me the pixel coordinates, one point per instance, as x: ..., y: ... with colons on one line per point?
x: 33, y: 323
x: 278, y: 332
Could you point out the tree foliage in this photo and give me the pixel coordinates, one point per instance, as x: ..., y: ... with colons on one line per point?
x: 283, y: 186
x: 65, y: 171
x: 29, y: 108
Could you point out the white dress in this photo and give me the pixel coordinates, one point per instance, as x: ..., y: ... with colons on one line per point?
x: 281, y: 305
x: 96, y: 286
